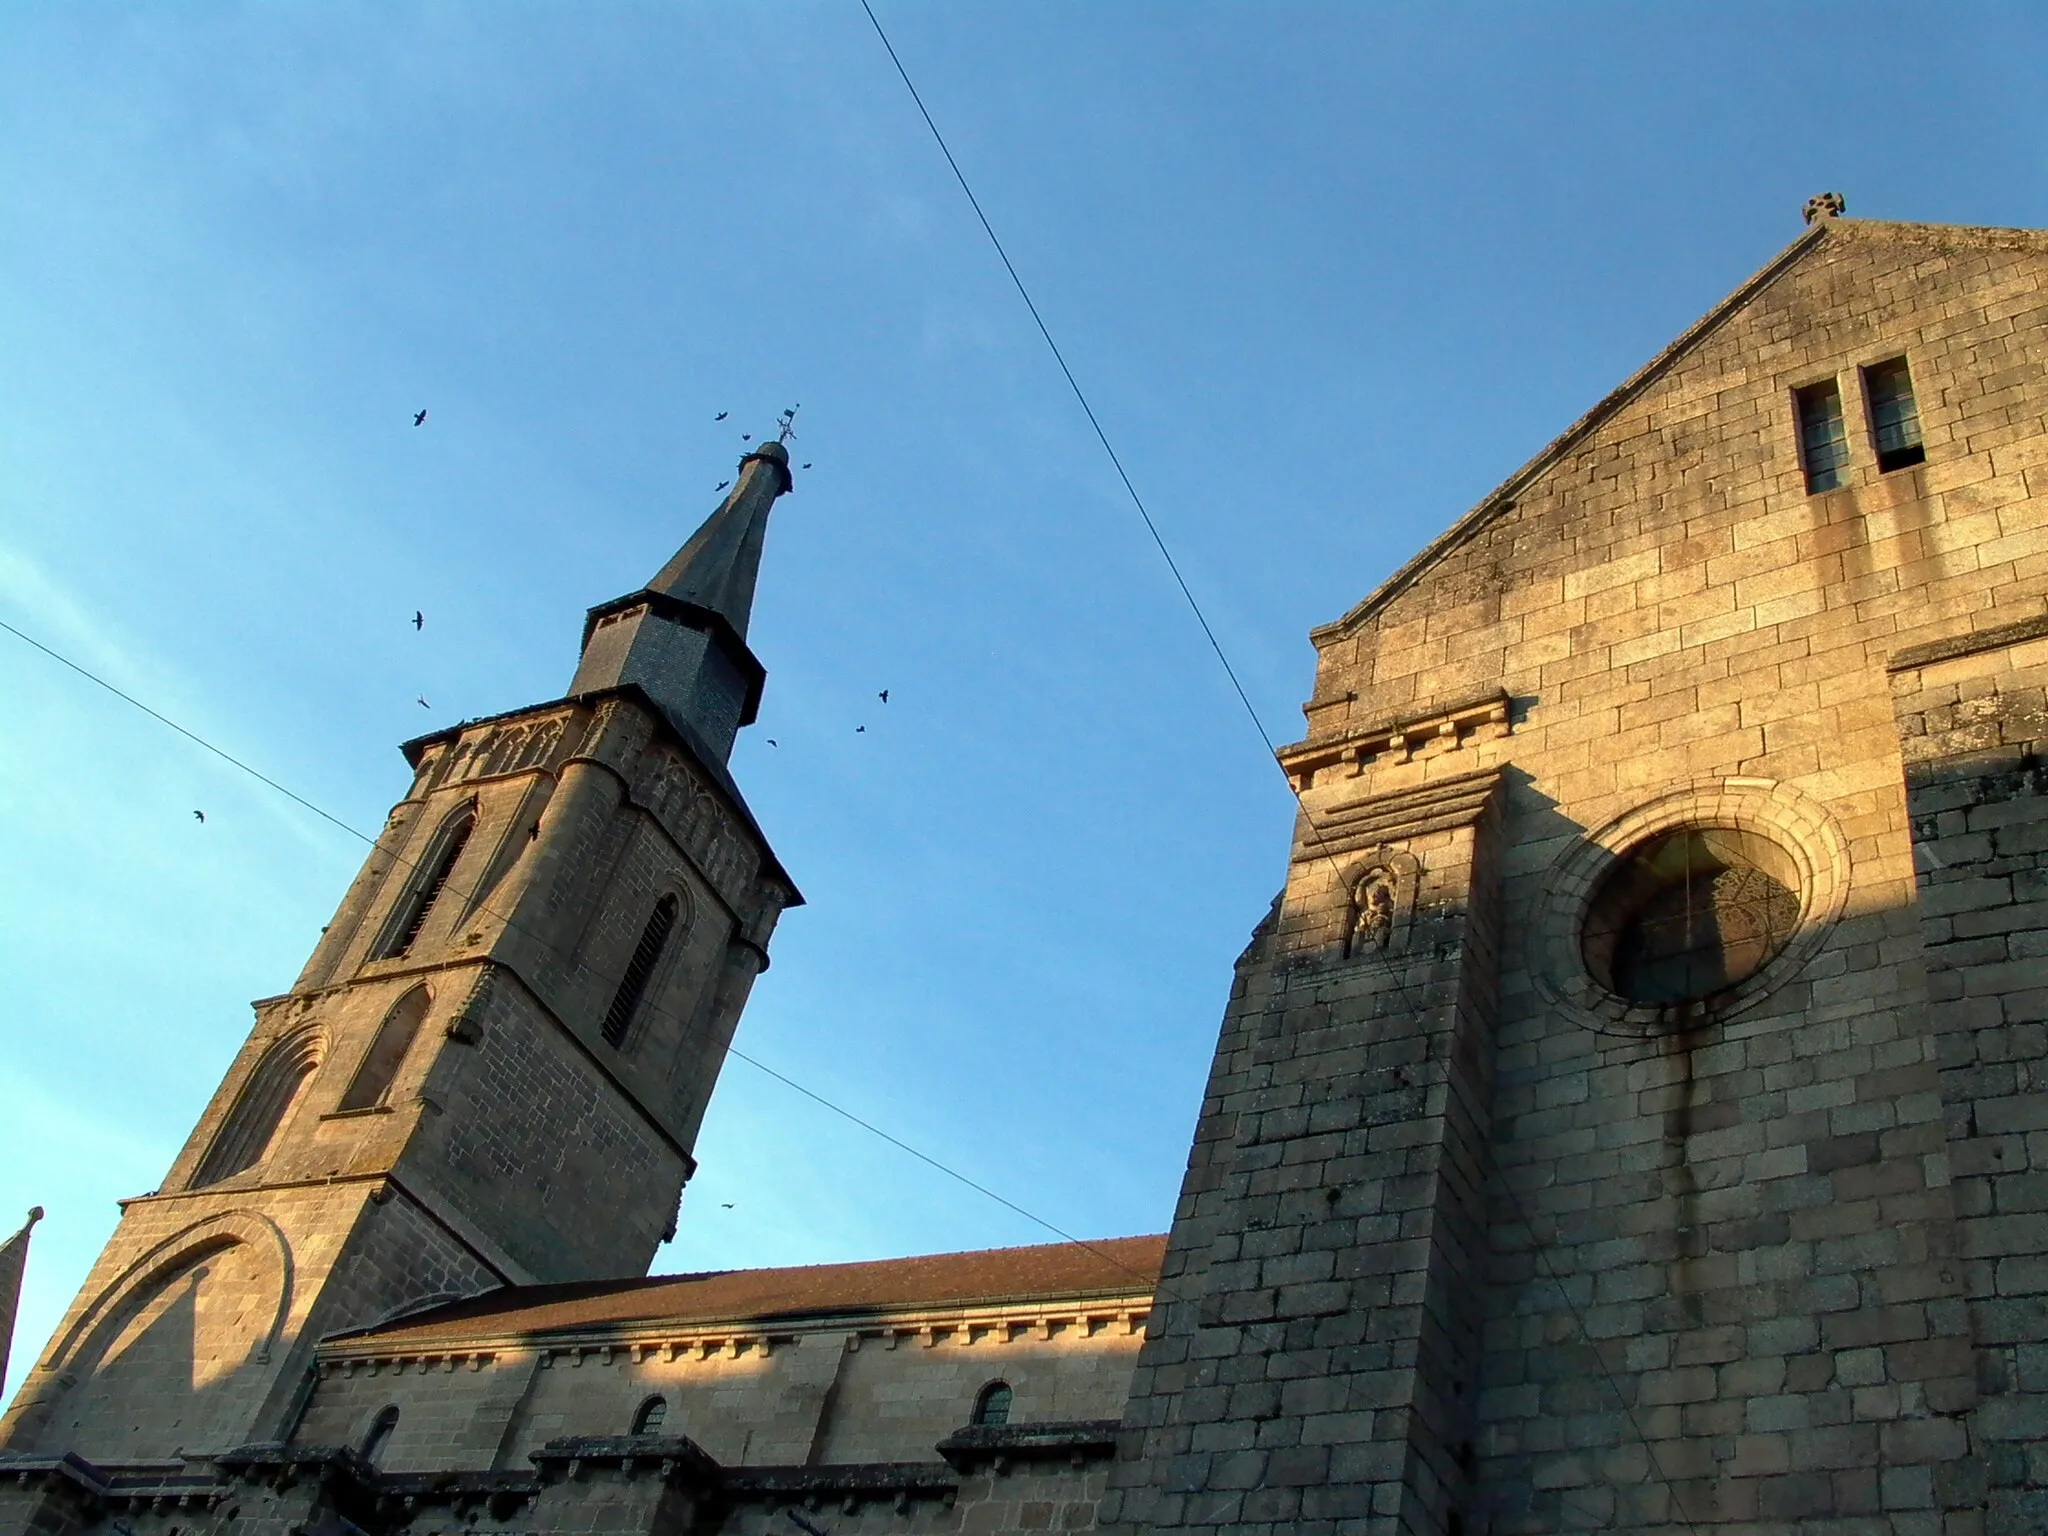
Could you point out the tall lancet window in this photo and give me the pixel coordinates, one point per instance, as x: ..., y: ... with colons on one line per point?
x: 259, y: 1110
x: 372, y: 1082
x: 410, y: 915
x: 618, y: 1019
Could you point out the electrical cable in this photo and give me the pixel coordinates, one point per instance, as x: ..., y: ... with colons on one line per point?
x: 1208, y: 631
x: 475, y: 895
x: 1074, y: 384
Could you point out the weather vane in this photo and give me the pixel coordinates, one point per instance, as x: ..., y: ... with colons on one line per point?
x: 787, y: 424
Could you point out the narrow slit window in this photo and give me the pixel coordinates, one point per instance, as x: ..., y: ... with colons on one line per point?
x: 1894, y: 417
x: 1823, y: 442
x: 413, y: 912
x: 618, y: 1019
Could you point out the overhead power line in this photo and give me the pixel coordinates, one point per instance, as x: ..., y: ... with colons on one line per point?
x: 1307, y: 821
x: 1073, y: 383
x: 545, y: 943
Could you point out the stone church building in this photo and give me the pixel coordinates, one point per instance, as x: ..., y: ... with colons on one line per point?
x: 1625, y: 1119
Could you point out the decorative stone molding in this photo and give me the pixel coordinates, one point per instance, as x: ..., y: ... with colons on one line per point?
x: 1124, y: 1317
x: 1364, y: 826
x: 1801, y: 826
x: 1481, y: 718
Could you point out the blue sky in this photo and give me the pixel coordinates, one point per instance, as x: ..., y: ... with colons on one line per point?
x: 1328, y: 273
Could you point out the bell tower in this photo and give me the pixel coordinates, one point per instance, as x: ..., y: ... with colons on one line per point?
x: 493, y: 1068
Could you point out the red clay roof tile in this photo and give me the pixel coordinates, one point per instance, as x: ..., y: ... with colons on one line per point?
x: 1121, y: 1265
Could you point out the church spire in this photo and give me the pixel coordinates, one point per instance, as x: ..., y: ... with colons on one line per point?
x: 682, y: 639
x: 717, y: 567
x: 13, y: 1260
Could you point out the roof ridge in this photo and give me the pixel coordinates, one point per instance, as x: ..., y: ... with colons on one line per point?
x: 1498, y: 499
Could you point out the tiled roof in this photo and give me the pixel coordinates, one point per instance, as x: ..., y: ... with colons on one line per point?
x: 990, y: 1277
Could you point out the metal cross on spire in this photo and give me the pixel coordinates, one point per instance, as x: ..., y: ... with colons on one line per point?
x: 786, y: 424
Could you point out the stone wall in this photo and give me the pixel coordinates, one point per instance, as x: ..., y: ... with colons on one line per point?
x: 1973, y: 721
x: 822, y: 1395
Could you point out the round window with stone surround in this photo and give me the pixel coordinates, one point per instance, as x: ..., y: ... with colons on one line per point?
x: 1695, y: 905
x: 1687, y: 914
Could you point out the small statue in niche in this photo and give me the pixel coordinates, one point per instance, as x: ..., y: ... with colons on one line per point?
x: 1372, y: 913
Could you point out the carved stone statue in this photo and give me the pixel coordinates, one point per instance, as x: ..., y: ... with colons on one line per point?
x: 1372, y: 913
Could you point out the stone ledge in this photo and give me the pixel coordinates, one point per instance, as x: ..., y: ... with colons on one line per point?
x: 1076, y: 1441
x: 669, y: 1454
x: 816, y: 1486
x: 1995, y: 638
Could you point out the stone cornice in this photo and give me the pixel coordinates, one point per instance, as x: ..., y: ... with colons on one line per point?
x: 1478, y: 716
x: 1105, y: 1315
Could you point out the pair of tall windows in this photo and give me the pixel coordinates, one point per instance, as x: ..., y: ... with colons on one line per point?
x: 1894, y: 425
x: 259, y: 1110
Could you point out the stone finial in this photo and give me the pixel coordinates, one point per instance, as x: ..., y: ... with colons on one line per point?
x: 1824, y: 205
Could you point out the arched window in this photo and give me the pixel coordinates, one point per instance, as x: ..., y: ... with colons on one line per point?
x: 992, y: 1404
x: 379, y: 1434
x: 252, y: 1124
x: 386, y: 1054
x: 618, y: 1019
x: 410, y: 915
x: 647, y: 1418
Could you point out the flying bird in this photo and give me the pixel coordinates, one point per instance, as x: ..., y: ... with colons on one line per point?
x: 201, y: 815
x: 807, y: 466
x: 419, y: 418
x: 860, y: 730
x: 883, y: 695
x: 746, y: 437
x: 721, y: 485
x: 422, y: 702
x: 721, y: 415
x: 726, y: 1205
x: 772, y: 742
x: 419, y: 620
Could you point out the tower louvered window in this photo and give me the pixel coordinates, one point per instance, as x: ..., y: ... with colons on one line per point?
x: 1823, y: 441
x: 618, y: 1019
x: 411, y: 915
x: 1894, y: 417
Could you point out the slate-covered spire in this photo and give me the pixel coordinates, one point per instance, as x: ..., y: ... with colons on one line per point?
x: 716, y: 569
x: 683, y: 637
x: 13, y: 1260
